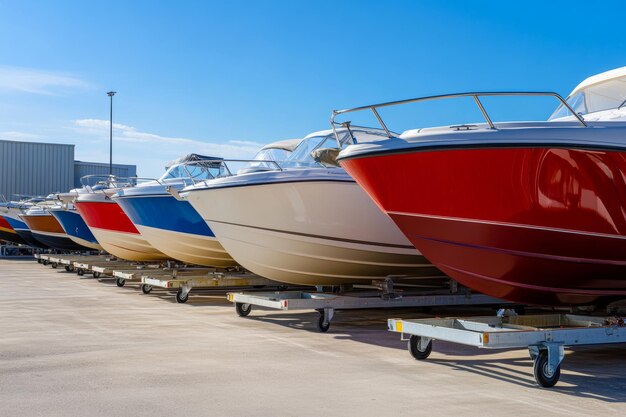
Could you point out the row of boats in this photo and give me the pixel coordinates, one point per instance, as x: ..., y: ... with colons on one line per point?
x: 531, y: 212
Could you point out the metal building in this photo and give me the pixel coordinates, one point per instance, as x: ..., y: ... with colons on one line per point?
x: 82, y: 168
x: 39, y: 169
x: 35, y: 168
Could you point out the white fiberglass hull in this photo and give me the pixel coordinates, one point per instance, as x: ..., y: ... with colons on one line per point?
x: 129, y: 246
x: 186, y: 247
x: 309, y: 232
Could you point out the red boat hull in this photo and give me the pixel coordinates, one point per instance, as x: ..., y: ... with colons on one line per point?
x: 540, y: 226
x: 8, y: 233
x: 114, y: 230
x: 107, y: 215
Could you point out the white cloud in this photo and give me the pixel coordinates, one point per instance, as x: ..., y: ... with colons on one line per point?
x: 12, y: 135
x: 154, y: 147
x: 38, y: 81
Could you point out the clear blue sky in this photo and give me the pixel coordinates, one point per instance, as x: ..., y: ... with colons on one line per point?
x: 228, y: 76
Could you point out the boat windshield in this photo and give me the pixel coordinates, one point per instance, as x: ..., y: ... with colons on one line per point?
x: 272, y: 154
x: 303, y: 152
x: 607, y: 95
x: 196, y: 172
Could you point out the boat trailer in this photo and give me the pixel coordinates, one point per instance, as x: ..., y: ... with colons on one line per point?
x: 213, y: 279
x: 545, y: 336
x: 326, y: 303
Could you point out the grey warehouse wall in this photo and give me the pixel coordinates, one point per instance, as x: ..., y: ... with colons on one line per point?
x: 35, y: 168
x: 82, y: 168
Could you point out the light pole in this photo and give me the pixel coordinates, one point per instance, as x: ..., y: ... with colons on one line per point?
x: 111, y: 94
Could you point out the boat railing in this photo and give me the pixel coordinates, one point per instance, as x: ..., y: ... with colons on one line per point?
x: 475, y: 95
x: 91, y: 182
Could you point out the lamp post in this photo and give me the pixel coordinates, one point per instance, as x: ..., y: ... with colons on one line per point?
x: 111, y: 94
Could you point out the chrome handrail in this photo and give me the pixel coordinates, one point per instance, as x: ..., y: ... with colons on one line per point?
x: 374, y: 107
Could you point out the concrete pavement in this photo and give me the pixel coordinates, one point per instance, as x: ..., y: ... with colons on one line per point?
x: 79, y: 347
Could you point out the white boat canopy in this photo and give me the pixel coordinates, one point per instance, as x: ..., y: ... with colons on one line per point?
x: 286, y: 145
x: 598, y: 93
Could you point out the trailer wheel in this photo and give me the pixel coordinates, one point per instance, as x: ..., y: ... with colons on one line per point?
x: 44, y: 262
x: 54, y: 265
x: 180, y: 298
x: 414, y: 348
x: 120, y: 282
x: 80, y: 272
x: 243, y: 309
x: 322, y: 324
x: 96, y: 275
x: 146, y: 289
x: 39, y: 260
x: 67, y: 268
x: 543, y: 377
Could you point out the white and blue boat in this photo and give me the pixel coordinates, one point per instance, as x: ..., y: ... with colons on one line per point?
x: 170, y: 225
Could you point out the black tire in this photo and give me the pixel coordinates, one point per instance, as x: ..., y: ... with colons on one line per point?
x: 39, y: 261
x: 413, y: 345
x: 96, y: 275
x: 322, y: 325
x: 540, y: 370
x: 243, y: 309
x: 80, y: 272
x: 180, y: 298
x: 54, y: 265
x: 44, y: 262
x: 67, y: 268
x: 146, y: 289
x: 120, y: 282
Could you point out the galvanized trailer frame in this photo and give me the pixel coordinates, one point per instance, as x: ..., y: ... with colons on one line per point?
x: 98, y: 268
x: 42, y: 258
x: 545, y: 336
x: 8, y: 251
x: 68, y: 260
x: 134, y: 275
x: 326, y: 303
x: 185, y: 281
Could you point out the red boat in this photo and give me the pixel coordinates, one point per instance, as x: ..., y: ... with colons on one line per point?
x: 529, y: 212
x: 113, y: 229
x: 7, y: 232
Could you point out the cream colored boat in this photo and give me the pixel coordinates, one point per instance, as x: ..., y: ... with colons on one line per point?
x: 306, y: 224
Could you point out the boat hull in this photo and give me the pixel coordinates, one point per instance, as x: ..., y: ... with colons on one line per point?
x: 188, y: 248
x: 115, y: 232
x: 175, y: 229
x: 76, y: 228
x: 543, y: 226
x: 47, y: 230
x: 22, y: 230
x: 7, y: 233
x: 309, y: 233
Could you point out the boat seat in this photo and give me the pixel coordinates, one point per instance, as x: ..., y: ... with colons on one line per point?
x: 326, y: 156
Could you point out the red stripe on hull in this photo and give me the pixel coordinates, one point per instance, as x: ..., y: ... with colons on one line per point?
x: 4, y: 224
x: 105, y: 215
x: 561, y: 189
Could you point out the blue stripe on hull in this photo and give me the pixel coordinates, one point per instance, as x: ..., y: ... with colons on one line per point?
x: 15, y: 224
x: 164, y: 212
x: 74, y: 225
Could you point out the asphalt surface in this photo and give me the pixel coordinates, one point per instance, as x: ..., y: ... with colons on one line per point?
x: 80, y: 347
